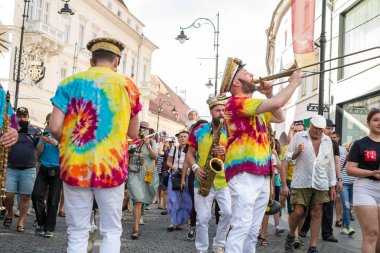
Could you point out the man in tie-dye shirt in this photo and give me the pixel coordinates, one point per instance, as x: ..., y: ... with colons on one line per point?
x: 248, y: 156
x: 94, y: 114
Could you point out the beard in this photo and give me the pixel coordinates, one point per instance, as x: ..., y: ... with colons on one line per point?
x: 248, y: 87
x: 216, y: 121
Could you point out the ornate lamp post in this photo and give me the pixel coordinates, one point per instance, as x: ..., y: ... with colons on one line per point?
x: 182, y: 37
x: 160, y: 109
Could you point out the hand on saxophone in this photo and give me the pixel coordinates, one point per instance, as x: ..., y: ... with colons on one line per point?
x: 220, y: 150
x: 199, y: 173
x: 10, y: 138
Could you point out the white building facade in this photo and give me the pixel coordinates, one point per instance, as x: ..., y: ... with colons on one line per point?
x: 351, y: 26
x: 59, y: 41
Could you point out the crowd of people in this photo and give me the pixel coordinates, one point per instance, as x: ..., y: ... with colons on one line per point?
x: 96, y: 151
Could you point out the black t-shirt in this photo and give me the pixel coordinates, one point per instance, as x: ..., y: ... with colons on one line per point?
x: 366, y: 153
x: 23, y: 154
x: 335, y: 148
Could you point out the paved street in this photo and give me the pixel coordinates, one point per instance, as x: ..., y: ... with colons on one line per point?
x: 154, y: 238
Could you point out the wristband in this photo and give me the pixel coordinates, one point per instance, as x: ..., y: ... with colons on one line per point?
x: 194, y: 167
x: 339, y: 179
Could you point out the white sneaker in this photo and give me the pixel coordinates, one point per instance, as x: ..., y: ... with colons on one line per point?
x: 141, y: 221
x: 218, y: 250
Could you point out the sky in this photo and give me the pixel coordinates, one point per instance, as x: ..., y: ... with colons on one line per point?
x: 189, y: 66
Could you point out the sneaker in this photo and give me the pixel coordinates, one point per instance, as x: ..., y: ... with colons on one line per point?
x: 339, y: 223
x: 278, y: 230
x: 312, y: 249
x: 165, y: 212
x: 297, y: 242
x: 302, y: 234
x: 218, y: 250
x: 330, y: 238
x: 289, y: 244
x: 124, y: 217
x: 191, y: 234
x: 348, y: 231
x: 352, y: 218
x: 39, y: 231
x: 141, y: 221
x: 48, y: 234
x: 16, y: 213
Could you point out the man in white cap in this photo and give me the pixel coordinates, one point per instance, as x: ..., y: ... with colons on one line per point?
x: 314, y: 178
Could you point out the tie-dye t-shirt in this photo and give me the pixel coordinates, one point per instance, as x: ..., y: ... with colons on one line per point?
x: 248, y: 146
x: 201, y: 139
x: 98, y: 104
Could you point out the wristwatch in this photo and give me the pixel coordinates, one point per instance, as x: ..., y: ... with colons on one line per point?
x: 339, y: 179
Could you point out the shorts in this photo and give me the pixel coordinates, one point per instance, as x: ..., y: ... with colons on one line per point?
x: 366, y: 192
x: 162, y: 183
x: 308, y: 197
x: 20, y: 180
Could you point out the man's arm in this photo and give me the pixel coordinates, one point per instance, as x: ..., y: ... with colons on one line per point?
x: 274, y: 104
x: 56, y: 123
x: 134, y: 126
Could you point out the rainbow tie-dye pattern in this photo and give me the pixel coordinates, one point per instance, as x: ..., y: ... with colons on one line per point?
x: 201, y: 139
x: 98, y: 104
x: 248, y: 147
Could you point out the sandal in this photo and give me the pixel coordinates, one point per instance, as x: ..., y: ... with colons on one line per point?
x: 20, y: 229
x: 178, y: 228
x: 170, y: 228
x: 7, y: 222
x: 61, y: 214
x: 135, y: 235
x: 263, y: 242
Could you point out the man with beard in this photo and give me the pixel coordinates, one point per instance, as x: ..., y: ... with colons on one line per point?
x: 200, y: 142
x: 248, y: 156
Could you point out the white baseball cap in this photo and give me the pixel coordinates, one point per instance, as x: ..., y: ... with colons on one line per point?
x: 318, y: 121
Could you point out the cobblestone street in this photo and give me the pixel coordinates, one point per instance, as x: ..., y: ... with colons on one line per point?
x: 155, y: 238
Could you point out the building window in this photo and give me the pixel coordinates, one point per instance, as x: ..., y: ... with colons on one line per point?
x: 124, y: 65
x: 353, y: 116
x: 128, y: 21
x: 119, y: 13
x: 145, y: 72
x: 137, y: 28
x: 286, y: 38
x: 303, y: 89
x: 133, y: 67
x: 81, y: 36
x: 67, y: 30
x: 109, y: 5
x: 46, y: 12
x: 63, y: 73
x: 39, y: 9
x: 361, y: 31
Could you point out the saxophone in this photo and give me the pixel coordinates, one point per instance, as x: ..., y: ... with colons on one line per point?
x: 4, y: 154
x: 212, y: 165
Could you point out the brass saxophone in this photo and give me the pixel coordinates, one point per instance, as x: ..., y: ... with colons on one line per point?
x: 4, y: 154
x: 212, y: 165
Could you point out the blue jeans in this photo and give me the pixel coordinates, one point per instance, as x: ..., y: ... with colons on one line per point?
x: 346, y: 197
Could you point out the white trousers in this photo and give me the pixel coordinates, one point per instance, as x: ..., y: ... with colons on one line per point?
x: 78, y: 209
x: 249, y: 197
x: 203, y: 207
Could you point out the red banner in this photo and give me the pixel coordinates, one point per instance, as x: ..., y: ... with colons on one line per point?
x: 303, y: 17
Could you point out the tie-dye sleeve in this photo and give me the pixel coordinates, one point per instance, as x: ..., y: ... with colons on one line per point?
x: 250, y: 106
x: 192, y: 141
x: 134, y: 97
x: 61, y: 97
x: 267, y: 116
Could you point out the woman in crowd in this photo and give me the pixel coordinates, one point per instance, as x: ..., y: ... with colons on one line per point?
x: 179, y: 201
x: 363, y: 163
x: 142, y: 175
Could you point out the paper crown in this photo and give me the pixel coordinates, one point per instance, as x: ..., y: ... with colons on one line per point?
x: 232, y: 67
x: 105, y: 44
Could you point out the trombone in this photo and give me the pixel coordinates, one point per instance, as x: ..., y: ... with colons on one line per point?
x: 290, y: 72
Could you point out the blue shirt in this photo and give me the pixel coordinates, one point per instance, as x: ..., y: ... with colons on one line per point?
x: 50, y: 156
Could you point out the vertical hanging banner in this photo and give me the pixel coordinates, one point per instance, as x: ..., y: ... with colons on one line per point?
x: 303, y: 17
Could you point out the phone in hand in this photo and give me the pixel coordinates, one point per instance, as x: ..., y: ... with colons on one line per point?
x: 46, y: 133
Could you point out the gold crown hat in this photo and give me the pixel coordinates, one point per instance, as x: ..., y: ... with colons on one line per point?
x: 232, y: 67
x: 214, y: 101
x: 106, y: 44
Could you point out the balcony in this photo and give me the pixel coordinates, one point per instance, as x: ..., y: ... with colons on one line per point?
x: 42, y: 34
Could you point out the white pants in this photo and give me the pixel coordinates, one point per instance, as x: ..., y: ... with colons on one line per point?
x: 78, y: 209
x: 203, y: 208
x: 249, y: 197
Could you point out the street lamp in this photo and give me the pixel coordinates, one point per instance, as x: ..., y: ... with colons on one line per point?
x: 160, y: 109
x: 66, y: 11
x: 209, y: 83
x: 76, y: 54
x: 182, y: 37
